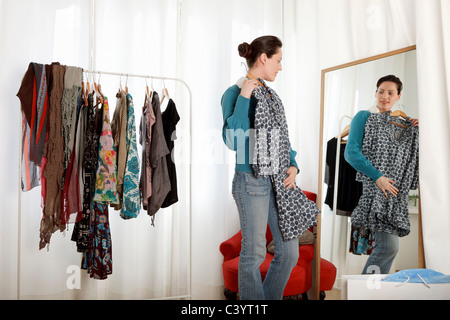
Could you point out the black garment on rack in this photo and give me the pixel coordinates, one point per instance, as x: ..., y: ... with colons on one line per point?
x: 94, y: 116
x: 170, y: 118
x: 349, y: 190
x: 158, y: 152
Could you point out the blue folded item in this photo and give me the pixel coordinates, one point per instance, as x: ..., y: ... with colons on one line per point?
x: 425, y: 276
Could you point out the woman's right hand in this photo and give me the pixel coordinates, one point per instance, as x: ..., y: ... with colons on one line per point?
x: 248, y: 87
x: 386, y: 185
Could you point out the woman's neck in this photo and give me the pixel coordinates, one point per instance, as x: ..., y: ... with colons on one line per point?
x: 255, y: 73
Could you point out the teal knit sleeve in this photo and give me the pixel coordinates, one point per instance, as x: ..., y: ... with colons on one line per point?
x: 236, y: 122
x: 353, y: 150
x: 292, y: 158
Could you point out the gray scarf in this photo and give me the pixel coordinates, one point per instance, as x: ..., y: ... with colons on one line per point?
x: 296, y: 213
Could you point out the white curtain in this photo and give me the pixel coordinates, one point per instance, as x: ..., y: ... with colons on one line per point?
x: 433, y: 59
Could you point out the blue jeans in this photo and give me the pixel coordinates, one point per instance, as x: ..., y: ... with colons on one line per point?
x: 256, y: 204
x: 383, y: 253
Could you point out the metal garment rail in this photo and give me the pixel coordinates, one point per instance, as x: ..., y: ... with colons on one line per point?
x: 19, y: 216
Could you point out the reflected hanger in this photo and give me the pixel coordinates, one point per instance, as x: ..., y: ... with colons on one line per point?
x: 345, y: 133
x: 401, y: 114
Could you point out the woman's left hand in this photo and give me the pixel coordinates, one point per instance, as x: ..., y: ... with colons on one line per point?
x: 415, y: 122
x: 290, y: 180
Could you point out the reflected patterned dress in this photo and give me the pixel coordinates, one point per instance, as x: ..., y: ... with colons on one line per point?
x: 394, y: 151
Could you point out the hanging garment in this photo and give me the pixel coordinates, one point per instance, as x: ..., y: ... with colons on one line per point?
x: 349, y: 190
x: 158, y: 153
x: 54, y: 153
x: 105, y: 182
x: 93, y: 126
x: 296, y: 213
x: 69, y: 104
x: 170, y: 118
x: 34, y: 102
x: 71, y: 191
x: 131, y: 205
x: 79, y: 152
x: 30, y: 175
x: 98, y: 259
x: 119, y: 131
x: 394, y: 151
x: 145, y: 137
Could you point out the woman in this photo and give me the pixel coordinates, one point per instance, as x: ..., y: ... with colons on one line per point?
x: 386, y: 235
x: 264, y: 174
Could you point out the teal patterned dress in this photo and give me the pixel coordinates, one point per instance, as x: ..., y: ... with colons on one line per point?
x: 131, y: 193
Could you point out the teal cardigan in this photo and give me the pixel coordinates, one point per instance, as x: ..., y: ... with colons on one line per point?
x: 238, y: 117
x: 353, y: 150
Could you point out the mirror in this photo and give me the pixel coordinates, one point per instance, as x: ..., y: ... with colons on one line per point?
x: 347, y: 89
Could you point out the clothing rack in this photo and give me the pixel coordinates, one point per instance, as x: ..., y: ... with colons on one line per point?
x: 19, y: 216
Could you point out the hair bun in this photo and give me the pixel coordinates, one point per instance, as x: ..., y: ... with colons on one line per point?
x: 245, y: 50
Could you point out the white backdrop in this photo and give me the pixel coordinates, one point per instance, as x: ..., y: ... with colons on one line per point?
x: 197, y: 40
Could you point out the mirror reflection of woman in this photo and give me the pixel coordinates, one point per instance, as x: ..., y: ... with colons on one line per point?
x: 389, y: 90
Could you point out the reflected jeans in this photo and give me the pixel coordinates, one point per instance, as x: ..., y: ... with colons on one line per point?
x: 383, y: 253
x: 256, y: 204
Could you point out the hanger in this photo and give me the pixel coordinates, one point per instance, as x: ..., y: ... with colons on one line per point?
x: 250, y: 76
x: 120, y: 85
x: 98, y: 90
x: 245, y: 66
x: 126, y: 85
x: 165, y: 93
x: 399, y: 113
x: 83, y: 93
x: 148, y: 94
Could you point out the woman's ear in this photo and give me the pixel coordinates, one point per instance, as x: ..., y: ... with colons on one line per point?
x: 263, y: 58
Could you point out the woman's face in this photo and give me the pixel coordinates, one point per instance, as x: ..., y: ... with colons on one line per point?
x: 387, y: 95
x: 272, y: 66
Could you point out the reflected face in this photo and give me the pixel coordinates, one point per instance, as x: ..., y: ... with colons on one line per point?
x: 272, y: 66
x: 387, y: 95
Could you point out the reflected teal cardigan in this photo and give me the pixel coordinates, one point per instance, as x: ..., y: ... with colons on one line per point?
x: 353, y: 150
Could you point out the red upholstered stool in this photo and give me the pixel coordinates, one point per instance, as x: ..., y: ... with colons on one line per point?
x: 327, y: 275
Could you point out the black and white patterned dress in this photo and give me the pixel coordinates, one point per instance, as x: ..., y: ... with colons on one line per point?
x: 394, y: 151
x: 296, y: 213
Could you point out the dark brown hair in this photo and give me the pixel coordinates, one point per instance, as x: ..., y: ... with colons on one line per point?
x: 391, y: 78
x: 265, y: 44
